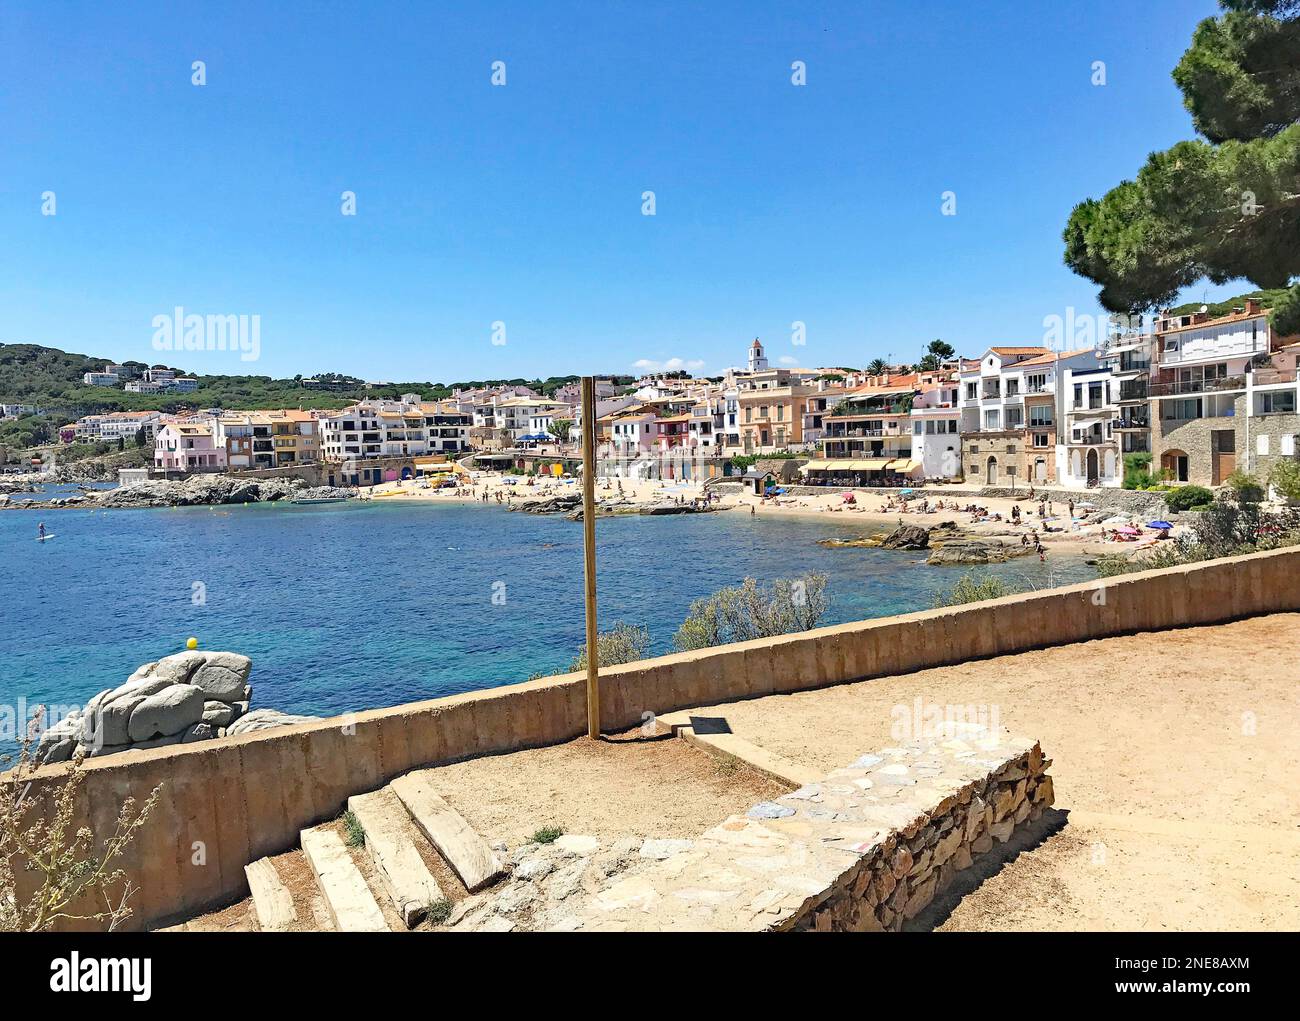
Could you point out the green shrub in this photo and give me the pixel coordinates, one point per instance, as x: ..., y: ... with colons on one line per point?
x: 548, y: 834
x: 1247, y: 488
x: 750, y: 610
x: 353, y: 832
x: 623, y: 643
x: 1285, y: 478
x: 1186, y: 497
x: 973, y: 589
x: 1137, y: 471
x: 439, y: 911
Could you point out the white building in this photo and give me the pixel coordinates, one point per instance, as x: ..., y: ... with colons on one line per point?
x: 1087, y: 447
x: 104, y: 378
x: 936, y: 430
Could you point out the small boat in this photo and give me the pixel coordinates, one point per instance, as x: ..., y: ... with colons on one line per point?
x: 321, y: 499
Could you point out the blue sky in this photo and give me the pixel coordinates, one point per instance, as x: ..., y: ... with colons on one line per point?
x: 522, y: 204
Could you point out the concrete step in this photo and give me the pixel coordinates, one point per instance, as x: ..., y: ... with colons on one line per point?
x: 390, y: 843
x: 713, y: 735
x: 351, y: 905
x: 465, y: 851
x: 271, y: 898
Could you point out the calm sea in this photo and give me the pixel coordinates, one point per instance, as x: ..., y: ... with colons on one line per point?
x: 346, y: 607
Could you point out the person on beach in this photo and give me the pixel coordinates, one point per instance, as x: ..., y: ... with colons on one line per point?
x: 1071, y: 507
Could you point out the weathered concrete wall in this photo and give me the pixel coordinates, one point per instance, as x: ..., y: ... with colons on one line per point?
x: 227, y: 802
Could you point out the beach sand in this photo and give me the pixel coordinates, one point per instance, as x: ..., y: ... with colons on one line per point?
x: 870, y: 507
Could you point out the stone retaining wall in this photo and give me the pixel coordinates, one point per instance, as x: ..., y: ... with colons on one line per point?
x: 897, y: 881
x: 240, y: 798
x: 863, y: 850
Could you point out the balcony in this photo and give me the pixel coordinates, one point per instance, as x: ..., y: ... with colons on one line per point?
x: 1198, y: 386
x: 1142, y: 421
x: 1267, y: 377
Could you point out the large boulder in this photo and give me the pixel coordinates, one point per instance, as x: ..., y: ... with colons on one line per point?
x: 264, y: 719
x: 907, y: 537
x: 166, y: 712
x: 59, y: 742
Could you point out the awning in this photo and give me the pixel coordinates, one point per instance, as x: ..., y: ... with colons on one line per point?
x: 847, y: 465
x: 904, y: 467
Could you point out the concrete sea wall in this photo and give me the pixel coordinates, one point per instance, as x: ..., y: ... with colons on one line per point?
x: 227, y: 802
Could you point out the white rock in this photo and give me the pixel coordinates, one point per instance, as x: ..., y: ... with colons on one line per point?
x: 572, y: 843
x: 662, y: 848
x: 166, y: 712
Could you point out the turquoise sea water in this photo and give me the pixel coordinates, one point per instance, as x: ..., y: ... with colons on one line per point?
x: 347, y: 607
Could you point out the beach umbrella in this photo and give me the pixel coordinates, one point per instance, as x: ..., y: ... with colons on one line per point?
x: 1161, y: 525
x: 1118, y: 519
x: 1128, y: 530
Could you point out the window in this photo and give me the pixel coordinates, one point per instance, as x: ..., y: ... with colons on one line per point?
x: 1277, y: 402
x: 1183, y: 410
x: 1040, y: 415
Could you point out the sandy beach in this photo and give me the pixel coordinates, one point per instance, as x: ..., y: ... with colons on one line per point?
x: 876, y: 511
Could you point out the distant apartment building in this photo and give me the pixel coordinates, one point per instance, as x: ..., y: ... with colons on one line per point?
x: 936, y: 429
x: 407, y: 427
x: 104, y: 378
x: 1088, y: 446
x: 124, y: 425
x: 268, y: 439
x: 632, y: 433
x: 446, y: 427
x: 351, y: 434
x: 867, y: 437
x: 1010, y: 410
x: 183, y: 447
x: 1222, y: 396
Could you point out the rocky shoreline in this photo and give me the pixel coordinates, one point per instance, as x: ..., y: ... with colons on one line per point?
x: 198, y: 490
x: 947, y: 542
x: 570, y: 505
x: 180, y: 699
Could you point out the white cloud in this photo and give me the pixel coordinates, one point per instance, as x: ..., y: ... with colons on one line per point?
x: 671, y: 365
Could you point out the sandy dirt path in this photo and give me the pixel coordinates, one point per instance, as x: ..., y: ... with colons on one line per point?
x: 1177, y: 783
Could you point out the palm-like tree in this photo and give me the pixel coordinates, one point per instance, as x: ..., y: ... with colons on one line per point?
x: 560, y: 428
x: 876, y: 367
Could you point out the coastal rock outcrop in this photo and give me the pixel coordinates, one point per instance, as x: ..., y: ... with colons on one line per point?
x: 976, y: 551
x: 214, y: 490
x: 191, y: 696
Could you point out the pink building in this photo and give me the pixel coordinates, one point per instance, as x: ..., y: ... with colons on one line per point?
x: 188, y: 448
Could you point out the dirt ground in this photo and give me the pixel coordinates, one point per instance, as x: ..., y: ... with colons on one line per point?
x: 608, y: 789
x: 1176, y: 776
x: 621, y: 786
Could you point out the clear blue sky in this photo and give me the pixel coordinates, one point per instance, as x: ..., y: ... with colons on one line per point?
x: 522, y: 203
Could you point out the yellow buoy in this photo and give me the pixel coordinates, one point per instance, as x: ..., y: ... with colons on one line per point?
x: 191, y: 643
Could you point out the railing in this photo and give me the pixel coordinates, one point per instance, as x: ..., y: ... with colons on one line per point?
x: 1263, y: 377
x: 1197, y: 386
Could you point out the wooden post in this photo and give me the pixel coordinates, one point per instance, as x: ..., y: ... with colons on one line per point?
x: 589, y: 549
